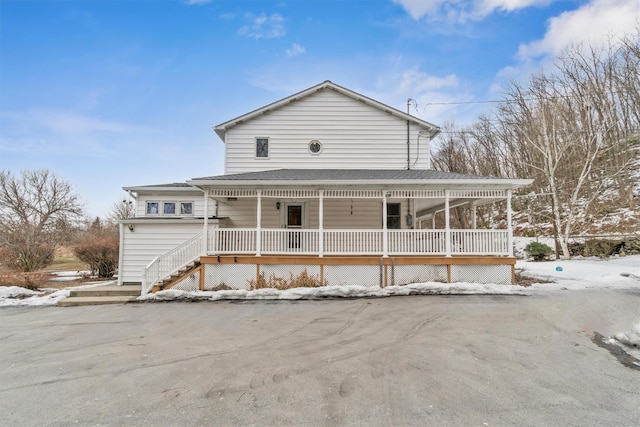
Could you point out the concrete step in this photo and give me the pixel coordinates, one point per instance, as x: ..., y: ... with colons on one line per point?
x: 107, y: 291
x: 78, y: 301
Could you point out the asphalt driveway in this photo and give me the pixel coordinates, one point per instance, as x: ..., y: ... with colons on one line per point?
x: 419, y: 360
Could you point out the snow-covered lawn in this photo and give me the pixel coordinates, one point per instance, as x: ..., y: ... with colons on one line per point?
x: 618, y: 272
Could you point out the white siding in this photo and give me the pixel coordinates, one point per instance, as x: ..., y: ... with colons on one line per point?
x: 149, y: 240
x: 338, y: 213
x: 354, y: 135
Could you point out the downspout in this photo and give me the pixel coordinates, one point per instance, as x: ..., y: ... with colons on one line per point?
x: 409, y: 220
x: 205, y: 232
x: 121, y: 253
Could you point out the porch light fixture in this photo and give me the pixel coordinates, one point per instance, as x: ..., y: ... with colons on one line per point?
x: 130, y: 227
x: 278, y: 205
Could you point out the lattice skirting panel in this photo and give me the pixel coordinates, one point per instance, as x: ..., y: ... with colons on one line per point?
x: 220, y: 276
x: 500, y: 274
x: 405, y: 274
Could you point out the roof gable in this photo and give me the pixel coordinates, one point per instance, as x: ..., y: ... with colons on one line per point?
x: 221, y: 129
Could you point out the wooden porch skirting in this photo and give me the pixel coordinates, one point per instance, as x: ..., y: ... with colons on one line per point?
x: 237, y: 271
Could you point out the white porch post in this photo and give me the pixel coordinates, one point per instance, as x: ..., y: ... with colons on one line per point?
x: 385, y: 237
x: 258, y: 224
x: 205, y: 232
x: 320, y: 223
x: 475, y: 215
x: 509, y: 225
x: 447, y: 226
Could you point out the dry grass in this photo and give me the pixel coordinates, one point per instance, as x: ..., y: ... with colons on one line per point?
x: 64, y: 261
x: 303, y: 280
x: 67, y: 263
x: 33, y: 281
x: 526, y: 281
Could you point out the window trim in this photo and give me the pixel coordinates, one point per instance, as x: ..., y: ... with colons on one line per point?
x: 255, y: 148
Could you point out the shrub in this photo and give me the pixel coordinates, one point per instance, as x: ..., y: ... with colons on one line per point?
x: 538, y: 251
x: 602, y: 248
x: 27, y: 257
x: 303, y: 280
x: 576, y: 249
x: 100, y: 254
x: 33, y: 281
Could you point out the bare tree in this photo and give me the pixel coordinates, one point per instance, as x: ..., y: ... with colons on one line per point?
x: 574, y: 129
x: 122, y: 209
x: 36, y: 209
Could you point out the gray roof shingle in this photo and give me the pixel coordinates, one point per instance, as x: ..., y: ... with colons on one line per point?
x: 340, y: 175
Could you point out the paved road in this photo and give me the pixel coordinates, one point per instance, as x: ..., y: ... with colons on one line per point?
x: 421, y: 360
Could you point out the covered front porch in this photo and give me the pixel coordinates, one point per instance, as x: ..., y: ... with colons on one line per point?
x: 387, y: 223
x: 341, y: 224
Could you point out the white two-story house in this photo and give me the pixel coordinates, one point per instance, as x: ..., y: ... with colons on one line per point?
x: 325, y: 184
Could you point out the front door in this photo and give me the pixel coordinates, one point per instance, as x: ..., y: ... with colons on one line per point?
x: 294, y: 221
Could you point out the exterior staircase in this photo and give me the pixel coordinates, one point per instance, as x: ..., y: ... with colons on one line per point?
x: 98, y: 295
x: 178, y: 276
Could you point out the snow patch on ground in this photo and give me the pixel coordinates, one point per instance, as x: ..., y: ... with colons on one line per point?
x: 69, y: 276
x: 612, y: 273
x: 630, y: 338
x: 35, y: 299
x: 430, y: 288
x: 11, y: 296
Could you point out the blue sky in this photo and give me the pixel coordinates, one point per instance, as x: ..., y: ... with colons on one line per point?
x: 113, y: 93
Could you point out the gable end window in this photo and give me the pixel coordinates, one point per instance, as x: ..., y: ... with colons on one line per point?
x: 262, y: 148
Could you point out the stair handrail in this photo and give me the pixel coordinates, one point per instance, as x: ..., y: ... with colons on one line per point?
x: 171, y: 262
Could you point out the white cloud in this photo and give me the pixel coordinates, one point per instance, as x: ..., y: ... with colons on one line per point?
x: 427, y: 90
x: 295, y: 50
x: 462, y: 10
x: 593, y: 23
x: 190, y: 2
x: 66, y: 122
x: 264, y: 27
x: 419, y: 8
x: 419, y: 81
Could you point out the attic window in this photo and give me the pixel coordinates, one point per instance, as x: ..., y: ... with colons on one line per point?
x: 262, y: 148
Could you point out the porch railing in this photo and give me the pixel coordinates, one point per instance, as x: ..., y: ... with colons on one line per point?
x: 334, y: 242
x: 357, y: 242
x: 411, y: 242
x: 475, y: 242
